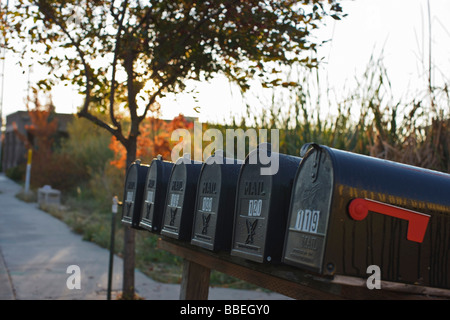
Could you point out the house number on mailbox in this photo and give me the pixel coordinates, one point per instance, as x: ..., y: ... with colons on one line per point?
x: 174, y: 199
x: 307, y: 220
x: 207, y: 204
x: 254, y: 208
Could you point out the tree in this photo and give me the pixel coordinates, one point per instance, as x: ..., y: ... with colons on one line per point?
x: 130, y: 53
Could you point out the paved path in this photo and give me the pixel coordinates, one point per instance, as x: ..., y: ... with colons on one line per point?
x: 36, y: 250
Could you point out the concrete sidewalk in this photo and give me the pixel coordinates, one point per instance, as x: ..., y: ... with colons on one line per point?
x: 36, y: 250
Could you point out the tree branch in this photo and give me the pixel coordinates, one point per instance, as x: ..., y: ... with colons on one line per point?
x: 47, y: 10
x: 153, y: 99
x: 114, y: 131
x: 114, y: 65
x: 174, y: 53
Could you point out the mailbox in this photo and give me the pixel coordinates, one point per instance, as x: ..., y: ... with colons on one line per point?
x: 216, y: 196
x: 133, y: 193
x: 350, y: 211
x: 155, y: 194
x: 262, y: 205
x: 180, y: 200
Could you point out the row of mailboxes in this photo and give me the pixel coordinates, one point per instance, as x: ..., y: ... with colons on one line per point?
x: 327, y: 211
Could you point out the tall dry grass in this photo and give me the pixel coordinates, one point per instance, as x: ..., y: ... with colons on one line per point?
x: 369, y: 119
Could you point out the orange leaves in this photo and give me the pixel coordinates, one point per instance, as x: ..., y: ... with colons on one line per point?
x: 43, y: 127
x: 120, y: 154
x: 22, y: 137
x: 48, y: 167
x: 154, y: 139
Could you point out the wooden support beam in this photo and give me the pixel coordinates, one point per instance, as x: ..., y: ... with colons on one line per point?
x: 194, y: 281
x: 287, y: 280
x: 227, y: 266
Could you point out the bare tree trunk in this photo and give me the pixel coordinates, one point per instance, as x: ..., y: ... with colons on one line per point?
x: 128, y: 289
x: 128, y: 265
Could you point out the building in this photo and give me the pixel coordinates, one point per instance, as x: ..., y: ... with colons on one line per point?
x: 14, y: 151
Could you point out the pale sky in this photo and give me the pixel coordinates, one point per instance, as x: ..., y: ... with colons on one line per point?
x: 398, y: 27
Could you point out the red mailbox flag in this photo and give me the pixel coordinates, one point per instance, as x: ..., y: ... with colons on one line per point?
x: 417, y: 222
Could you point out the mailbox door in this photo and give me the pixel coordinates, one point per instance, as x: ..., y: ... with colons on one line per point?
x: 309, y: 213
x: 207, y: 206
x: 149, y: 197
x: 133, y: 193
x: 251, y: 215
x: 174, y: 202
x: 262, y: 205
x: 154, y: 198
x: 129, y: 195
x: 180, y: 202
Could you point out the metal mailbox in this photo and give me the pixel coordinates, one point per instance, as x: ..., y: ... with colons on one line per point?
x: 180, y: 200
x: 216, y: 196
x: 155, y: 194
x: 133, y: 193
x: 262, y: 207
x: 350, y: 211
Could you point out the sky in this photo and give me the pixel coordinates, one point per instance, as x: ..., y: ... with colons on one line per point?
x: 396, y: 28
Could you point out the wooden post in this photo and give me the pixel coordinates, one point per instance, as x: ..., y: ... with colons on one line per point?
x: 194, y: 282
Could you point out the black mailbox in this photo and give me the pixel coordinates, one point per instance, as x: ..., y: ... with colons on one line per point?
x: 350, y: 211
x: 216, y: 196
x: 180, y: 201
x: 155, y: 194
x: 133, y: 193
x: 262, y: 206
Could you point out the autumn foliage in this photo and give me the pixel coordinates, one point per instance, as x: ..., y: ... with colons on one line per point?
x: 47, y: 167
x: 42, y: 129
x: 154, y: 139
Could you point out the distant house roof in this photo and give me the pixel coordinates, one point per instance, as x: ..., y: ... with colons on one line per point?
x: 22, y: 118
